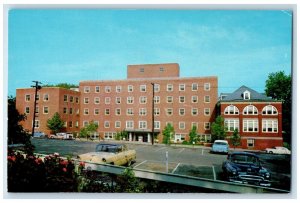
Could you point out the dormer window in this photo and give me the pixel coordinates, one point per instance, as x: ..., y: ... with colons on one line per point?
x: 246, y: 95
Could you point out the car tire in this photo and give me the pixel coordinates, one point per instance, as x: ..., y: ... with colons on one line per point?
x: 270, y: 152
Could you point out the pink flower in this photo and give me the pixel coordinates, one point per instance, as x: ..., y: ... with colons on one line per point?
x: 64, y: 170
x: 56, y: 154
x: 82, y: 164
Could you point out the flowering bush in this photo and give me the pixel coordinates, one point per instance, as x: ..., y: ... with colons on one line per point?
x: 27, y: 173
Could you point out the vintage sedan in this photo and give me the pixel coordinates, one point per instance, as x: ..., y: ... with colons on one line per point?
x: 244, y: 167
x: 278, y: 150
x: 115, y: 154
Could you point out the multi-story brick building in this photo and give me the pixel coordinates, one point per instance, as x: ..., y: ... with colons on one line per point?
x: 257, y: 118
x: 49, y: 101
x: 117, y: 105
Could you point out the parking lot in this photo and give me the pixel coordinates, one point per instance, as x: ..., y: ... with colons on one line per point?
x: 183, y: 160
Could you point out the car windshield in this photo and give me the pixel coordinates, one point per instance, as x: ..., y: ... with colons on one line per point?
x: 245, y: 159
x: 108, y: 148
x: 220, y: 143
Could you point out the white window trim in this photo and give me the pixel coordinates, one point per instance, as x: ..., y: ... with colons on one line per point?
x: 171, y: 87
x: 179, y: 99
x: 228, y: 124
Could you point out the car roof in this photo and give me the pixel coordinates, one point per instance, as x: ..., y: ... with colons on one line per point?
x: 225, y: 141
x: 110, y: 144
x: 243, y: 153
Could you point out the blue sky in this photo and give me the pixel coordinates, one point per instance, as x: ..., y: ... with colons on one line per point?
x: 55, y: 46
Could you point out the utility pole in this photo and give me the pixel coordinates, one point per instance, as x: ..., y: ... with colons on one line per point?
x: 37, y: 87
x: 152, y: 138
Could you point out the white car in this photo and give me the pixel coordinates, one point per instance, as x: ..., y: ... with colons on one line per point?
x: 278, y: 150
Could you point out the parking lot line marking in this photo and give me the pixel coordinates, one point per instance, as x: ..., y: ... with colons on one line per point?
x: 140, y: 163
x: 181, y: 150
x: 214, y: 172
x: 175, y: 168
x: 160, y: 149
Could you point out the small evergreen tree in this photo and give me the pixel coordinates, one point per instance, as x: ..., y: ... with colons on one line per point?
x: 55, y: 124
x: 235, y: 139
x: 167, y: 133
x: 88, y: 130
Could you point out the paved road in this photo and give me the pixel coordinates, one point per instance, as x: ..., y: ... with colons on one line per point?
x: 195, y: 161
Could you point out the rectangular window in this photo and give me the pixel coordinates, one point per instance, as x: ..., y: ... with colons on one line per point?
x: 179, y: 137
x: 143, y: 100
x: 206, y: 98
x: 142, y: 124
x: 142, y: 70
x: 181, y: 99
x: 106, y: 124
x: 97, y: 89
x: 46, y: 109
x: 86, y: 100
x: 207, y: 111
x: 129, y: 124
x: 86, y: 89
x: 169, y: 112
x: 270, y: 125
x: 194, y: 111
x: 71, y: 99
x: 37, y: 124
x: 86, y: 111
x: 143, y: 88
x: 250, y: 143
x: 85, y: 123
x: 207, y: 126
x: 130, y: 88
x: 96, y: 111
x: 194, y: 99
x: 169, y: 87
x: 181, y: 111
x: 71, y: 110
x: 156, y: 124
x: 118, y: 124
x: 77, y: 100
x: 142, y: 111
x: 70, y: 124
x: 130, y: 100
x: 65, y: 98
x: 129, y: 112
x: 156, y: 111
x: 118, y: 112
x: 118, y: 89
x: 65, y: 110
x: 37, y: 97
x: 156, y: 99
x: 107, y: 112
x: 207, y: 86
x: 194, y: 124
x: 118, y: 100
x: 194, y: 87
x: 156, y: 87
x: 231, y: 124
x: 46, y: 97
x: 27, y: 110
x: 181, y: 87
x: 107, y: 89
x: 250, y: 125
x: 107, y: 100
x: 181, y: 125
x: 169, y: 99
x: 97, y: 100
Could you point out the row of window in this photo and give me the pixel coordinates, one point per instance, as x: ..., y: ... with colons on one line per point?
x: 143, y: 124
x: 143, y: 88
x: 46, y: 110
x: 67, y: 98
x: 251, y: 125
x: 143, y: 99
x: 143, y: 111
x: 250, y: 110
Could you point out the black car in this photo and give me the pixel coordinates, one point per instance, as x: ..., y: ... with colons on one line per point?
x: 244, y: 167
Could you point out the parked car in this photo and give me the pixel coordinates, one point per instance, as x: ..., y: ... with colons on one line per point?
x: 220, y: 146
x: 39, y: 134
x: 245, y: 167
x: 278, y: 150
x: 62, y: 136
x: 115, y: 154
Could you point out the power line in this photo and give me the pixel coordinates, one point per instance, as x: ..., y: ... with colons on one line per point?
x: 37, y: 87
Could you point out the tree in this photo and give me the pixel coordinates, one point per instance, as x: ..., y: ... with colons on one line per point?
x: 121, y: 135
x: 235, y: 139
x: 218, y: 131
x: 168, y: 132
x: 62, y: 85
x: 55, y: 124
x: 15, y: 132
x: 279, y: 87
x: 88, y: 130
x: 193, y: 135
